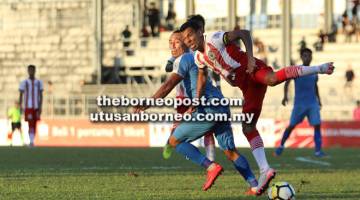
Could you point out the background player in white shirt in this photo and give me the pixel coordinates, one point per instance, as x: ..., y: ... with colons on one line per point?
x: 31, y: 100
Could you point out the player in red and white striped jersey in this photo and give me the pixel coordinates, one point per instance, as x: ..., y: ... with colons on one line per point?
x: 240, y: 69
x: 30, y: 99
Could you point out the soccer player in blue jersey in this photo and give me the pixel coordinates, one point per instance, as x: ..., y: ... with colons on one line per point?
x: 186, y: 73
x: 306, y: 104
x: 209, y: 141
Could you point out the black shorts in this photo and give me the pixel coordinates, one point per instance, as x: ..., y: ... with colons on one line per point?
x: 16, y: 125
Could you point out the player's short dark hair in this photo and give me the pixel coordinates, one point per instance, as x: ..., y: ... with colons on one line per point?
x: 31, y: 67
x: 176, y: 31
x: 198, y: 18
x: 358, y: 102
x: 190, y: 24
x: 302, y: 51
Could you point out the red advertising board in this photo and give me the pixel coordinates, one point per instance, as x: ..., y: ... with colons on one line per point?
x: 81, y: 132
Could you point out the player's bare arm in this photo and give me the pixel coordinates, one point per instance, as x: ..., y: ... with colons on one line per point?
x: 20, y: 100
x: 163, y: 91
x: 201, y: 81
x: 202, y: 76
x: 286, y: 89
x: 245, y: 37
x: 40, y: 102
x: 216, y: 78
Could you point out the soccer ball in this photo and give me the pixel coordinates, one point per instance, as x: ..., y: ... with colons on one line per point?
x: 281, y: 191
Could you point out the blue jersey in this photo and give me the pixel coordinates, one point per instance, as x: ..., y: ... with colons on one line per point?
x: 185, y: 66
x: 305, y: 91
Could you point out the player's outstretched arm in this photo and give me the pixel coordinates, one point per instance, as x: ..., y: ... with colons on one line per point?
x: 245, y: 37
x: 164, y: 90
x: 286, y: 89
x: 169, y: 85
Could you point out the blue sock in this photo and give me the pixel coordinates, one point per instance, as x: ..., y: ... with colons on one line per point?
x: 243, y: 167
x: 317, y: 139
x: 193, y: 153
x: 285, y: 136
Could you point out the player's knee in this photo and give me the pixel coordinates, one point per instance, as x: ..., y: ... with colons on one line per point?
x: 247, y: 128
x: 173, y: 141
x: 317, y: 127
x: 231, y: 154
x: 271, y: 79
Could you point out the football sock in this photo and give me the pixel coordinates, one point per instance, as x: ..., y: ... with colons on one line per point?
x: 32, y: 137
x: 291, y: 72
x: 209, y: 144
x: 242, y: 166
x: 210, y: 152
x: 317, y: 139
x: 285, y: 136
x: 192, y: 153
x: 257, y: 147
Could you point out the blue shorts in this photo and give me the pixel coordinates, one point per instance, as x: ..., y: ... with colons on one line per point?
x: 190, y: 131
x: 312, y: 112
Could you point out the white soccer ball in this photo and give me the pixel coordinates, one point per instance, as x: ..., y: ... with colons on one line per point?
x: 281, y: 191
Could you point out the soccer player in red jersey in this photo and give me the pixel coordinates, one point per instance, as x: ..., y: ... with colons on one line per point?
x: 240, y: 69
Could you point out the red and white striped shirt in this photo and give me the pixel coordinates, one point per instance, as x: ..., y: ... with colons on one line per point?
x: 222, y: 58
x: 31, y: 92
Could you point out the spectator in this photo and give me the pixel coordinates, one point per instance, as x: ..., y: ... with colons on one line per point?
x: 332, y: 34
x: 322, y: 36
x: 318, y: 46
x: 355, y: 19
x: 302, y: 44
x: 275, y: 64
x: 261, y: 49
x: 236, y: 28
x: 349, y: 75
x: 154, y: 19
x: 170, y: 18
x: 126, y: 34
x: 347, y: 27
x: 356, y: 112
x: 144, y: 36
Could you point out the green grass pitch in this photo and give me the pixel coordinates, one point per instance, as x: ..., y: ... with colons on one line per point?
x: 141, y: 173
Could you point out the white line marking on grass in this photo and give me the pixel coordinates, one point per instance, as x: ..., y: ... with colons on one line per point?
x: 303, y: 159
x: 115, y: 168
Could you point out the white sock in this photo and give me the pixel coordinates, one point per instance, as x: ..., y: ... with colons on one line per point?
x: 210, y: 152
x: 307, y: 70
x: 32, y: 137
x: 260, y: 157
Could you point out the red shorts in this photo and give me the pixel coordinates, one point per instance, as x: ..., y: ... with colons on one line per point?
x: 31, y: 114
x: 252, y: 87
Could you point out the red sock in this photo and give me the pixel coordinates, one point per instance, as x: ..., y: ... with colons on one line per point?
x: 254, y: 139
x: 287, y: 73
x: 209, y: 139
